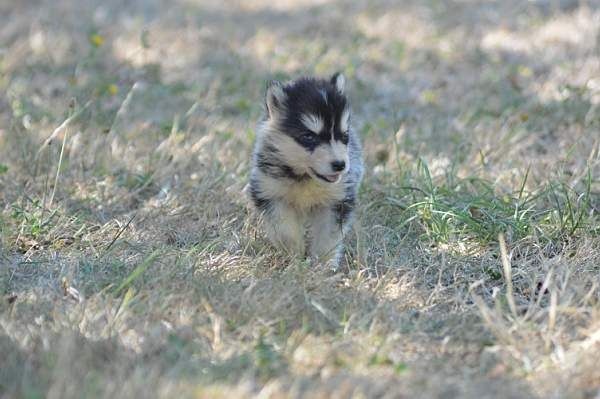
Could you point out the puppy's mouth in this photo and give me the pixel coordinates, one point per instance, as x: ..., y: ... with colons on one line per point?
x: 328, y: 178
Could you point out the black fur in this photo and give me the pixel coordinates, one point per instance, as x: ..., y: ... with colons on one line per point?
x: 343, y: 209
x: 305, y: 95
x: 261, y: 203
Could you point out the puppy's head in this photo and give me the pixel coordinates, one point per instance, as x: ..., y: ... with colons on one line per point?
x: 307, y: 124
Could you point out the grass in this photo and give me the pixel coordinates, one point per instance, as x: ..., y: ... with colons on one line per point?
x: 130, y: 264
x: 470, y: 209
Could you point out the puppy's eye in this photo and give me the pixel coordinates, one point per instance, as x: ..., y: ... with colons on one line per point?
x: 309, y: 138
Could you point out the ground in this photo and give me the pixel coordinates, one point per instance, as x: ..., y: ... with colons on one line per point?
x: 131, y: 266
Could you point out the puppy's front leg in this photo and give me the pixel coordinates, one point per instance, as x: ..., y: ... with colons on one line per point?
x: 326, y: 237
x: 285, y: 228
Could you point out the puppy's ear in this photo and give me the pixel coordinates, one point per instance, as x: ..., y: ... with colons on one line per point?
x: 339, y: 81
x: 275, y: 98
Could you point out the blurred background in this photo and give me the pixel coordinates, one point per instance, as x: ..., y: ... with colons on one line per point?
x: 455, y: 78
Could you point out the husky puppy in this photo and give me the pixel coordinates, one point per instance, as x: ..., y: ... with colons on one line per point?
x: 306, y: 167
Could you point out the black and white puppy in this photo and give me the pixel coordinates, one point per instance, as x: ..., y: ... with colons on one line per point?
x: 306, y: 167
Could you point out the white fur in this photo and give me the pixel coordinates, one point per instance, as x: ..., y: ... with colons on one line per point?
x: 326, y: 237
x: 345, y: 120
x: 340, y: 83
x: 339, y: 152
x: 312, y: 123
x: 285, y: 228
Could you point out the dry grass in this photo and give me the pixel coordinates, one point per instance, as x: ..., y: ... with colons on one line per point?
x: 129, y: 266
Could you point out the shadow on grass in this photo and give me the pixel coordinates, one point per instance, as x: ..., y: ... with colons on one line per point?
x: 298, y: 328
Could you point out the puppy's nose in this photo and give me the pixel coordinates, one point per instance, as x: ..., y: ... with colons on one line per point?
x: 338, y: 166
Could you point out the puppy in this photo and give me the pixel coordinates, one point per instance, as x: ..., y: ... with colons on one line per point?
x: 306, y: 167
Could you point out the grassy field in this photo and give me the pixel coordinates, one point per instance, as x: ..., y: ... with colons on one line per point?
x: 130, y: 265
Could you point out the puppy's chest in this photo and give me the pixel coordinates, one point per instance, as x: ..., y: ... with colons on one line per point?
x: 302, y: 195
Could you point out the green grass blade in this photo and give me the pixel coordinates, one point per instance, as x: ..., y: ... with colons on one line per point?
x: 138, y: 271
